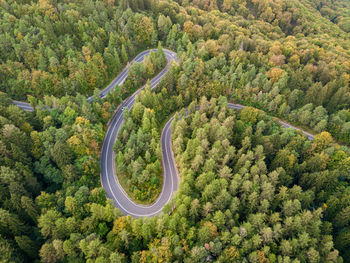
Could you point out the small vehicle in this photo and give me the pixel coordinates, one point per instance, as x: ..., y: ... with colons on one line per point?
x: 123, y: 108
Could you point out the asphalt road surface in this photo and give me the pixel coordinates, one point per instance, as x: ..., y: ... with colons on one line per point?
x: 109, y: 180
x: 23, y: 105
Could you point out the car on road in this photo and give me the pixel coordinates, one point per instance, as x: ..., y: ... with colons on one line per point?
x: 123, y: 108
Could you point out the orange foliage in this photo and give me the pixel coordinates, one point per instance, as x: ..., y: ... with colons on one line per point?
x: 262, y: 258
x: 278, y: 60
x: 212, y: 227
x: 93, y: 147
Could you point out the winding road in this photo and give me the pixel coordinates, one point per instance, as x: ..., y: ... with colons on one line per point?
x: 109, y: 180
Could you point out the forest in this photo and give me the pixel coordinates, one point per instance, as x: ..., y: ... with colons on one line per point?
x: 250, y: 190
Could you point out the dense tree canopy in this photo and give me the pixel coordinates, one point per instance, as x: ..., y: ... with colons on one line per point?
x: 278, y: 55
x: 251, y: 191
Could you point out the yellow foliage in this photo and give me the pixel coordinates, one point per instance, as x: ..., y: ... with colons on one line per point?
x: 346, y: 78
x: 73, y: 13
x: 160, y: 251
x: 76, y: 144
x: 193, y: 31
x: 144, y: 29
x: 185, y: 246
x: 294, y: 60
x: 249, y: 114
x: 19, y: 36
x: 311, y: 68
x: 188, y: 29
x: 227, y: 5
x: 44, y: 4
x: 292, y: 160
x: 82, y: 121
x: 37, y: 150
x: 91, y: 77
x: 231, y: 254
x: 119, y: 224
x: 143, y: 257
x: 86, y: 52
x: 347, y: 65
x: 212, y: 47
x: 47, y: 9
x: 47, y: 120
x: 26, y: 127
x: 274, y: 74
x: 322, y: 140
x: 276, y: 48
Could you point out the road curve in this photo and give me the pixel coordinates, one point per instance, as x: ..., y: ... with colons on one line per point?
x: 109, y: 180
x: 170, y: 178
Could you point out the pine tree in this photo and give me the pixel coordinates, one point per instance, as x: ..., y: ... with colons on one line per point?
x: 124, y: 55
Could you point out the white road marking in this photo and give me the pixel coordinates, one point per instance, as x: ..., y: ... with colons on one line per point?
x: 168, y: 154
x: 129, y: 103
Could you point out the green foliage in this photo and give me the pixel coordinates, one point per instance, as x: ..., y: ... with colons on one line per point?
x: 141, y: 72
x: 138, y: 150
x: 66, y: 48
x: 49, y: 162
x: 250, y: 191
x: 248, y: 197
